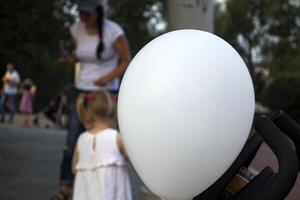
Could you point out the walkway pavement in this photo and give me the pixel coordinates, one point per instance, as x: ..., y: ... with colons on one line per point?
x: 30, y: 158
x: 265, y: 157
x: 29, y: 163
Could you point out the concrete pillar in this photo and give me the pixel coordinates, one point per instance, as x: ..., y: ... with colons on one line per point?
x: 191, y: 14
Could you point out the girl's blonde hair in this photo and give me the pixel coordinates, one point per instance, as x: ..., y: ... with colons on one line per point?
x: 95, y: 106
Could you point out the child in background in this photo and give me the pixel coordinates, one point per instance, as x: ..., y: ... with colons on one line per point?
x: 28, y: 93
x: 99, y: 157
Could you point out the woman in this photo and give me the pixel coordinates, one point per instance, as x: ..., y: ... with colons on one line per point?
x: 102, y: 49
x: 11, y: 80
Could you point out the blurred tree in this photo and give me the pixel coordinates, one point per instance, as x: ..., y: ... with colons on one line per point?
x: 267, y: 33
x: 241, y: 23
x: 35, y: 33
x: 32, y: 36
x: 283, y: 92
x: 262, y: 31
x: 282, y: 49
x: 141, y: 20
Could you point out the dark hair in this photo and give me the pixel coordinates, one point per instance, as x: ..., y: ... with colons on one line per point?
x: 27, y: 84
x: 100, y: 23
x: 11, y: 63
x: 26, y: 87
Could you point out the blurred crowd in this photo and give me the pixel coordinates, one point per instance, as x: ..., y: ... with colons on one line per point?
x: 13, y: 87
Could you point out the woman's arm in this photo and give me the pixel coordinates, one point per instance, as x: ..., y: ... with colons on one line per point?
x: 122, y: 48
x: 75, y: 160
x: 121, y: 146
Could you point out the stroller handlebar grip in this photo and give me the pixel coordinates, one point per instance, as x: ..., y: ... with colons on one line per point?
x: 288, y: 165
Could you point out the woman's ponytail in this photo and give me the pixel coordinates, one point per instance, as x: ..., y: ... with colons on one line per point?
x: 100, y: 23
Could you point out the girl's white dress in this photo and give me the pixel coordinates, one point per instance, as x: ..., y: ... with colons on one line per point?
x: 101, y: 172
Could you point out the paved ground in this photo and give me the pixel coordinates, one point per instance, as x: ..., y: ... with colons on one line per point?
x: 29, y: 163
x: 30, y: 157
x: 265, y: 157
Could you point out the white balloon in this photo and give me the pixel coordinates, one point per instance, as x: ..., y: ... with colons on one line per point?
x: 185, y: 110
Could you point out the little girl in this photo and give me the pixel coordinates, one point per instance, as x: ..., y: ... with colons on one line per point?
x: 28, y: 93
x: 99, y: 158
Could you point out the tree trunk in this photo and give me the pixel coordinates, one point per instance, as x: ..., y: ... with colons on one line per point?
x: 191, y: 14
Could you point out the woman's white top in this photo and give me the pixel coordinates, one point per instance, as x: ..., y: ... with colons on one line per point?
x: 101, y: 171
x: 91, y: 67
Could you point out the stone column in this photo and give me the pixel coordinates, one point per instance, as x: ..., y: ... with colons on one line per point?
x: 191, y: 14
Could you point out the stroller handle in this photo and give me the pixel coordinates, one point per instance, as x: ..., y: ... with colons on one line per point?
x: 282, y: 182
x: 266, y: 185
x: 289, y: 127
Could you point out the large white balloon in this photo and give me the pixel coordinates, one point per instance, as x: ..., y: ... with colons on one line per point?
x: 185, y: 109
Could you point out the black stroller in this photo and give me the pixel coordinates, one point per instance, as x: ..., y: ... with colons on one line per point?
x: 54, y: 111
x: 282, y: 134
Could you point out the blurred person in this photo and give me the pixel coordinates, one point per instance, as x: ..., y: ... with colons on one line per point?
x: 11, y: 80
x: 28, y: 95
x: 101, y: 48
x: 99, y: 159
x: 54, y: 111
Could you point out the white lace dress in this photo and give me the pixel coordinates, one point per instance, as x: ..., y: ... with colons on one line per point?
x: 101, y: 172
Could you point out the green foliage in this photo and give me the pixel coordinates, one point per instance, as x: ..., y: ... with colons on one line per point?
x: 138, y: 18
x: 31, y: 36
x: 34, y: 33
x: 283, y: 92
x: 241, y: 25
x: 283, y: 19
x: 271, y: 27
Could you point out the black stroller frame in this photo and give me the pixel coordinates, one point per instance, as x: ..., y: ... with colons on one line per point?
x: 282, y: 134
x: 54, y: 111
